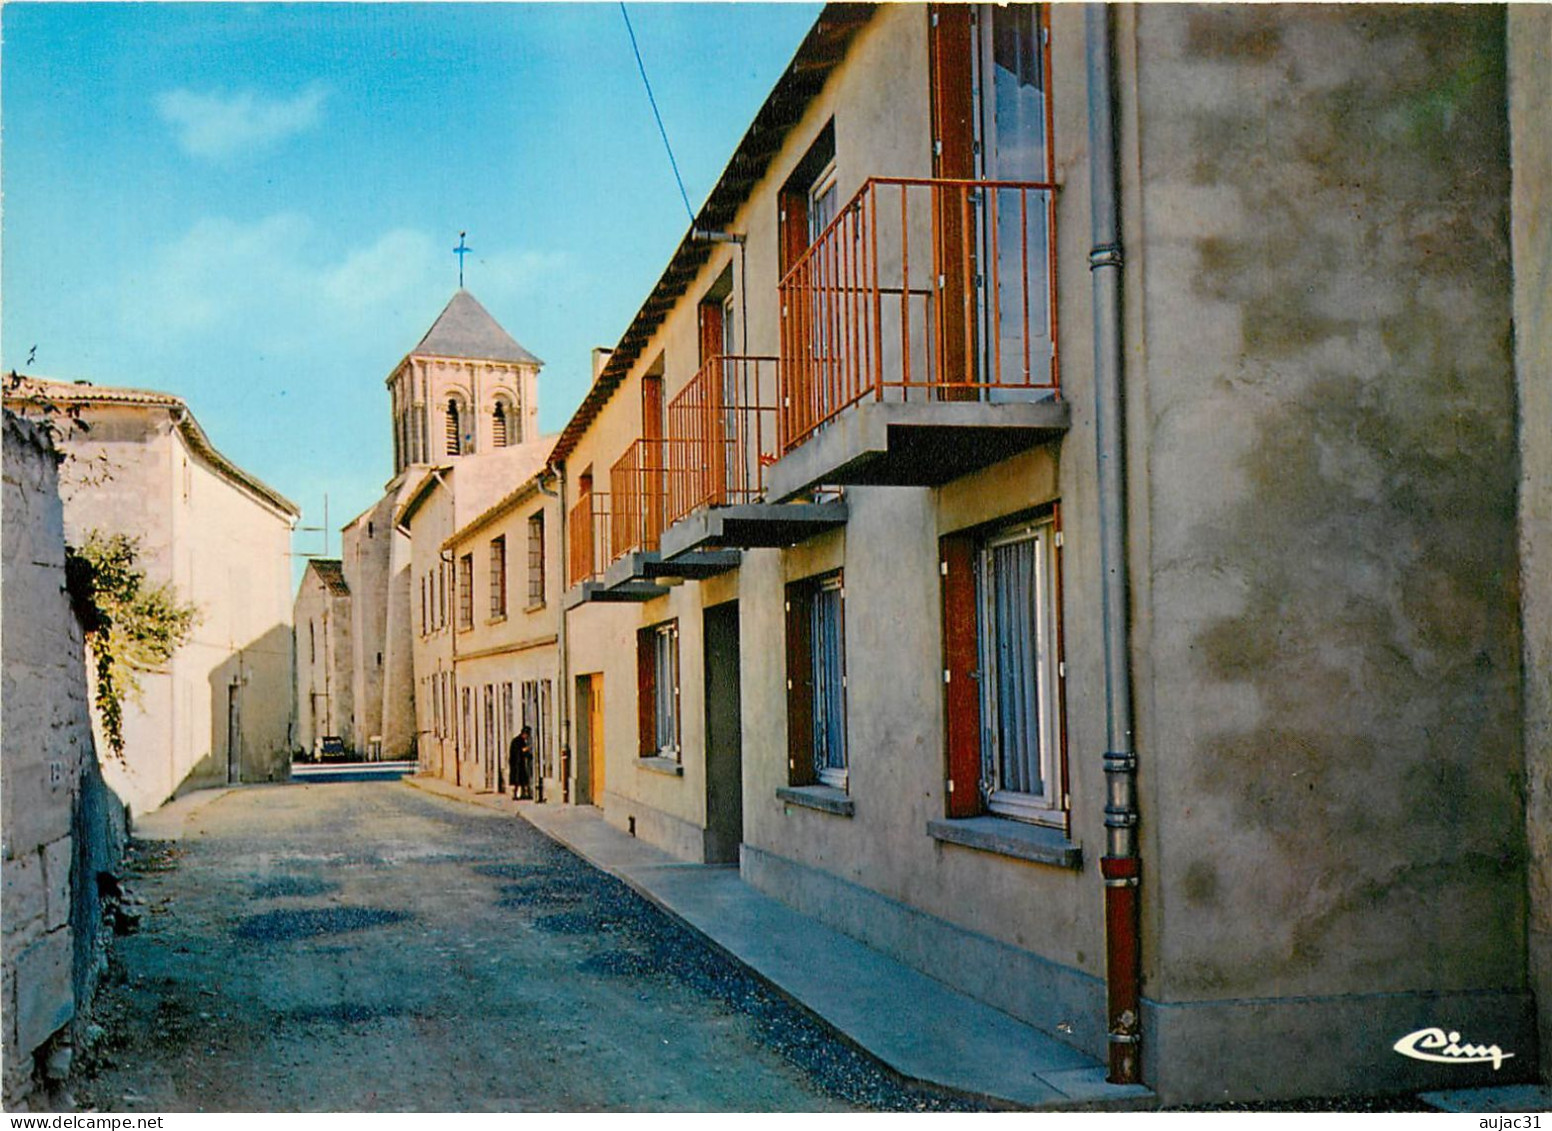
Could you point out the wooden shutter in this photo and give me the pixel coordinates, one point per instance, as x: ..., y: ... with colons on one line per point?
x: 961, y: 692
x: 646, y: 692
x: 951, y: 42
x: 1062, y: 774
x: 800, y: 685
x: 793, y: 202
x: 710, y: 329
x: 652, y: 407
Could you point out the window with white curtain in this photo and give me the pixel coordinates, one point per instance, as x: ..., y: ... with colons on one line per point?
x: 666, y: 688
x: 1016, y: 607
x: 828, y: 644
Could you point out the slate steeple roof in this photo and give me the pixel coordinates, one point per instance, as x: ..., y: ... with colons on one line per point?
x: 466, y: 329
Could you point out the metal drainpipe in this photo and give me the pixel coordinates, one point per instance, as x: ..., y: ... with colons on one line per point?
x: 560, y: 640
x: 452, y: 562
x: 1119, y: 866
x: 563, y: 692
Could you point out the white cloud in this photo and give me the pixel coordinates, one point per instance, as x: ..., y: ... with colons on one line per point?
x: 270, y: 286
x: 217, y: 126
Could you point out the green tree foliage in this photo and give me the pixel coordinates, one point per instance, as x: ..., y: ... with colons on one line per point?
x: 131, y: 627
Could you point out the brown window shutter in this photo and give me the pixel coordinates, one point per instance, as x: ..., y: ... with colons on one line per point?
x: 652, y: 407
x: 951, y: 43
x: 1061, y: 659
x: 800, y: 686
x: 953, y: 101
x: 793, y: 203
x: 961, y: 692
x: 711, y: 330
x: 646, y: 693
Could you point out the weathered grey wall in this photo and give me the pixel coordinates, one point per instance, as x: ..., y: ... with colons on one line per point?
x: 398, y: 671
x: 1330, y: 684
x: 1530, y: 127
x: 57, y: 814
x: 365, y: 557
x: 323, y: 664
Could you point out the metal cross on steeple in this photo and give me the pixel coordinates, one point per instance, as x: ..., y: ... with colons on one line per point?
x: 460, y: 251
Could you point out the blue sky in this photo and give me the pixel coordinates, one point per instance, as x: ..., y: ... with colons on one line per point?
x: 254, y: 205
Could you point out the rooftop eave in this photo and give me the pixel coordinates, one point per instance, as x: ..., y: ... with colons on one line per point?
x: 820, y: 53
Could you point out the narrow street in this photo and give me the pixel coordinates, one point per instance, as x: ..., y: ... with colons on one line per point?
x: 365, y: 946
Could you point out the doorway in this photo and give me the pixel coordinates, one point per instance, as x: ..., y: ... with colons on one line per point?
x: 590, y: 739
x: 724, y: 737
x: 233, y: 733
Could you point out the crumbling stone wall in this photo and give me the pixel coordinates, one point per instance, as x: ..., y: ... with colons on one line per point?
x: 60, y: 829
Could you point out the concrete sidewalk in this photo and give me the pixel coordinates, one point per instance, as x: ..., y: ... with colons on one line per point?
x: 918, y: 1027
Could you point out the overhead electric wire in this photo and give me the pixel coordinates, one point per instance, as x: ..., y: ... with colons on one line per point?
x: 684, y: 196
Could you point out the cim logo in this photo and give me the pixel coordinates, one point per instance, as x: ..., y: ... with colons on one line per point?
x: 1445, y: 1048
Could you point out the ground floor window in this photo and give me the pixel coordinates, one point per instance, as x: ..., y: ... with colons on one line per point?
x: 536, y: 717
x: 816, y: 682
x: 657, y: 670
x: 1002, y: 670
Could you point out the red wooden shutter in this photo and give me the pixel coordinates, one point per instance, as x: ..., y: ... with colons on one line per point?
x: 951, y: 42
x: 953, y: 101
x: 652, y: 407
x: 1061, y: 667
x: 646, y: 693
x: 800, y: 686
x: 961, y: 693
x: 793, y: 202
x: 711, y: 330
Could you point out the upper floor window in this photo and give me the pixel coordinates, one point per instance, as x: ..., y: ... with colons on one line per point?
x: 466, y: 592
x: 810, y: 198
x: 823, y: 200
x: 536, y: 559
x: 498, y: 576
x: 502, y: 428
x: 992, y: 122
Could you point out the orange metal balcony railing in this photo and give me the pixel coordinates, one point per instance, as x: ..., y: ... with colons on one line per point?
x: 638, y: 483
x: 722, y: 433
x: 918, y: 290
x: 587, y: 532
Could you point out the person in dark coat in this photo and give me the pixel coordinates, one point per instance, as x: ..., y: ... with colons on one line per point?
x: 520, y: 764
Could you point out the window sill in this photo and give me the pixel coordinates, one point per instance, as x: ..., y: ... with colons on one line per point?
x: 535, y: 607
x: 668, y: 767
x: 825, y: 798
x: 499, y: 618
x: 1009, y: 838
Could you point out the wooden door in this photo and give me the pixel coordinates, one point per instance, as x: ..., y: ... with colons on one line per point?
x: 595, y: 750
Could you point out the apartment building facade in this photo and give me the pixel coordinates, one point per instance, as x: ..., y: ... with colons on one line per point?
x: 507, y: 562
x: 1021, y: 531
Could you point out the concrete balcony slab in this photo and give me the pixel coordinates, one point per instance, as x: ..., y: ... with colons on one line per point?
x: 749, y: 525
x: 598, y: 592
x: 883, y: 443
